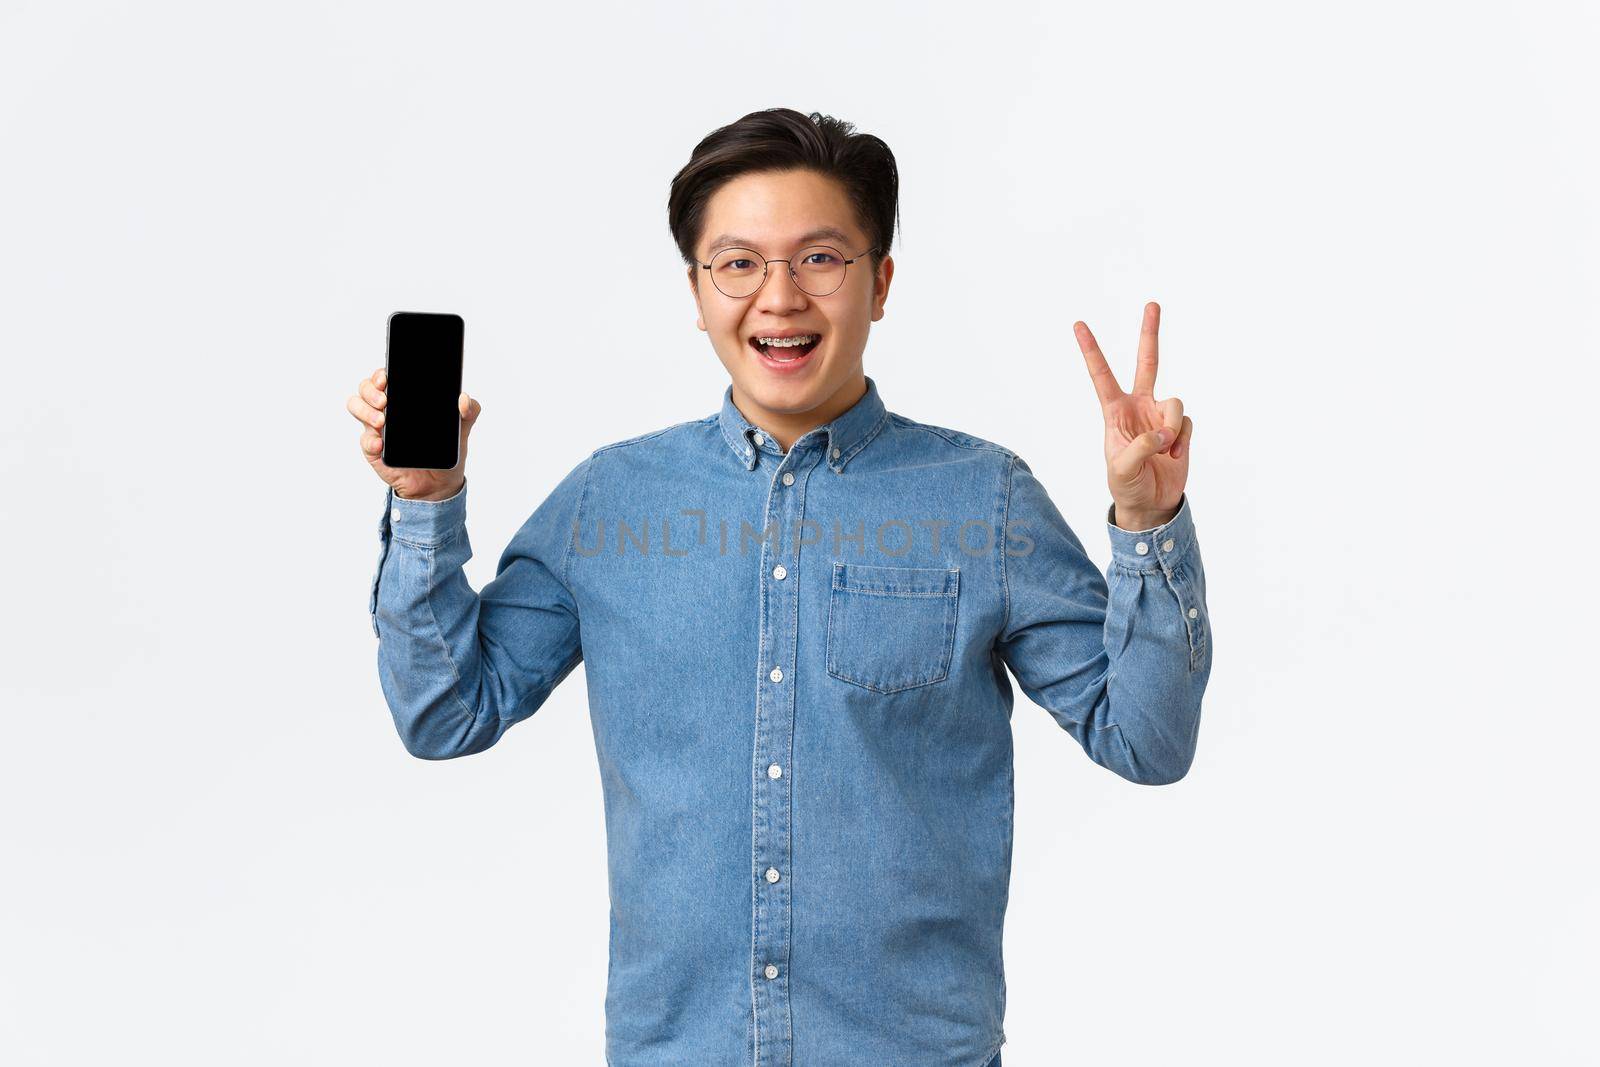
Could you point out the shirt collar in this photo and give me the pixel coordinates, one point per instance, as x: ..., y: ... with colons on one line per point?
x: 845, y: 435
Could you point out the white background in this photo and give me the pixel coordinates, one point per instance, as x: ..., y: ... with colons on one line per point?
x: 1372, y: 230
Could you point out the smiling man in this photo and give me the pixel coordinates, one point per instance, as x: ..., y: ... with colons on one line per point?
x: 794, y: 348
x: 796, y: 616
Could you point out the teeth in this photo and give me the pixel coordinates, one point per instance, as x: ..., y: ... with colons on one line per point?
x: 787, y: 342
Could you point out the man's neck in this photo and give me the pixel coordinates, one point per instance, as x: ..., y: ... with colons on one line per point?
x: 788, y: 427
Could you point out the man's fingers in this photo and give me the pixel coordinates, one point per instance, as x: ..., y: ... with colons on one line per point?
x: 1181, y: 445
x: 373, y: 394
x: 1144, y: 376
x: 1105, y: 383
x: 364, y: 411
x: 1126, y: 464
x: 1171, y: 413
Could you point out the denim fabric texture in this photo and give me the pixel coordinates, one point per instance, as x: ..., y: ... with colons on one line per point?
x: 797, y: 678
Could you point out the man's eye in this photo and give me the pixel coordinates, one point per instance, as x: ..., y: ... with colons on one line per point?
x: 738, y: 264
x: 826, y: 259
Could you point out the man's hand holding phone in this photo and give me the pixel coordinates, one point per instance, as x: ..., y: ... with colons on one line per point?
x: 409, y: 483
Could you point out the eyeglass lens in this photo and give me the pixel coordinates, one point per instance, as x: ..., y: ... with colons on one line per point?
x: 738, y: 272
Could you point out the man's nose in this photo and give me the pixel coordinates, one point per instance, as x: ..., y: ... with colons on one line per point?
x: 778, y: 288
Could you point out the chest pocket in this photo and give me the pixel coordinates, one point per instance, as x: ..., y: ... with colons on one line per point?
x: 891, y: 628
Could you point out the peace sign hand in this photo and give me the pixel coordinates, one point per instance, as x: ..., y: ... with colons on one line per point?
x: 1147, y: 441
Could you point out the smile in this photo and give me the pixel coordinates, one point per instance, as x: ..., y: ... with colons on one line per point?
x: 784, y: 355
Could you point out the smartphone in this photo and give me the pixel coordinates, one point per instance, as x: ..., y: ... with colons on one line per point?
x: 422, y: 419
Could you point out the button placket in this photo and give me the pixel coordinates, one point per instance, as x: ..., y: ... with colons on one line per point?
x: 771, y: 827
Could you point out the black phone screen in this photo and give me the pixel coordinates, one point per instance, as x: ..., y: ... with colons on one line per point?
x: 422, y: 419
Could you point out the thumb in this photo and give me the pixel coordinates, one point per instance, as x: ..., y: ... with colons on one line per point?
x: 1131, y: 459
x: 469, y: 409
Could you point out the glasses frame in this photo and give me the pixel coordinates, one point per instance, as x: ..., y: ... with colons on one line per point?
x: 766, y: 269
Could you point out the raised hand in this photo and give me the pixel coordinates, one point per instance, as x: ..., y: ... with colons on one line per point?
x: 1147, y: 440
x: 367, y: 404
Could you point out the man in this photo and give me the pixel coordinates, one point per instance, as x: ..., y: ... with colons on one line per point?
x: 796, y: 615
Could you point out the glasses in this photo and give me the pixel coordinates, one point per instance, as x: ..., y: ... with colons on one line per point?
x: 741, y: 272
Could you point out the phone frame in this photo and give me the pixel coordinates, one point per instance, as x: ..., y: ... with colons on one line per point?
x: 388, y: 341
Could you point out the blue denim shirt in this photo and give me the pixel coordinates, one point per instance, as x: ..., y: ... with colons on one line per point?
x: 796, y: 667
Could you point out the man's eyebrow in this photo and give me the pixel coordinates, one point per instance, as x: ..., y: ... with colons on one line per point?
x: 833, y: 233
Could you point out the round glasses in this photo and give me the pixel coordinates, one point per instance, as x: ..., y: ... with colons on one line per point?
x: 818, y: 270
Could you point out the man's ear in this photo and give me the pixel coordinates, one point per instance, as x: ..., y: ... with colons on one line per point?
x: 694, y: 287
x: 880, y: 286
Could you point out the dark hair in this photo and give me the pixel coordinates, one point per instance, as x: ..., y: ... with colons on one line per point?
x: 782, y: 139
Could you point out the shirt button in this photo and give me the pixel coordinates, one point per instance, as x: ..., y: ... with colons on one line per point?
x: 777, y: 674
x: 788, y: 477
x: 1141, y: 548
x: 778, y: 572
x: 835, y: 453
x: 1193, y: 612
x: 761, y: 438
x: 771, y: 971
x: 1166, y: 546
x: 772, y: 874
x: 774, y: 771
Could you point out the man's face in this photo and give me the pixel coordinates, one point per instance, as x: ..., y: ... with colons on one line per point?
x: 772, y: 213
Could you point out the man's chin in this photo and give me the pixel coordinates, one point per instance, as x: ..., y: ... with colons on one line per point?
x: 787, y: 395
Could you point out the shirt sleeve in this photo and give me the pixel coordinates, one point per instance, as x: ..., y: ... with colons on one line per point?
x: 1120, y: 661
x: 457, y: 667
